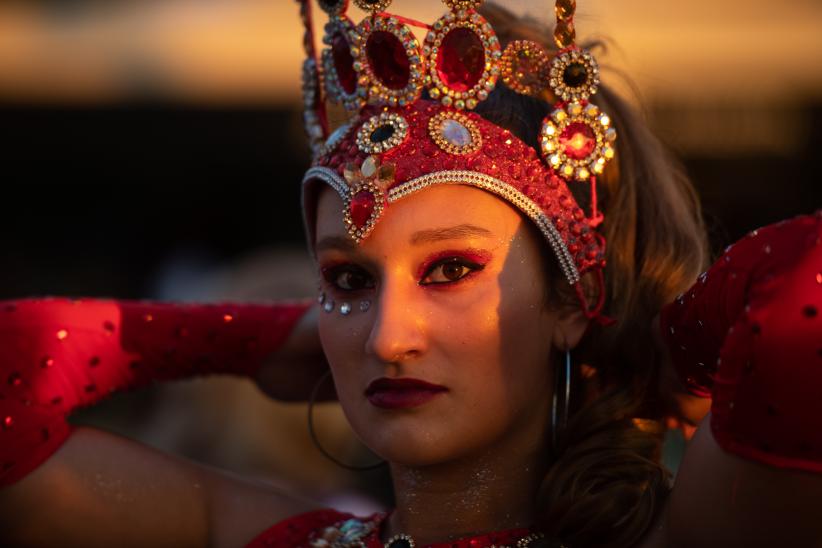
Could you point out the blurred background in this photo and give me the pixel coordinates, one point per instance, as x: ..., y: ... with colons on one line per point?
x: 153, y: 149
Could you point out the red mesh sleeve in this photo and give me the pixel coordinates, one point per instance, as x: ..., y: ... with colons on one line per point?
x: 750, y: 334
x: 57, y: 355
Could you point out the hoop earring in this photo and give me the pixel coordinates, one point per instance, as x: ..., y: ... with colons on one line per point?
x: 562, y: 381
x: 316, y: 440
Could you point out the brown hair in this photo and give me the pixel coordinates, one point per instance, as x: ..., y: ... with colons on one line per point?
x: 606, y: 482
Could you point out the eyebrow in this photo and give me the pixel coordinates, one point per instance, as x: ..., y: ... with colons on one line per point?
x: 450, y: 233
x: 336, y: 242
x: 419, y: 237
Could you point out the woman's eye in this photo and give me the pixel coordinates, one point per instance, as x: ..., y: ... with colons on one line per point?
x: 347, y: 278
x: 449, y: 271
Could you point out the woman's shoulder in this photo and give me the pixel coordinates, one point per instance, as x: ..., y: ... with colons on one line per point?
x: 315, y: 528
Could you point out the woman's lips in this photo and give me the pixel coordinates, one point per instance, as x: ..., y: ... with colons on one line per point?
x: 401, y: 393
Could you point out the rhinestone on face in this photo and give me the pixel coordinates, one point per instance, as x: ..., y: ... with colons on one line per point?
x: 345, y: 309
x: 328, y: 305
x: 364, y: 306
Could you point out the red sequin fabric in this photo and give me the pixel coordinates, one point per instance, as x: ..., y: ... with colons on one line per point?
x: 58, y: 354
x: 749, y: 334
x: 315, y: 529
x: 521, y: 177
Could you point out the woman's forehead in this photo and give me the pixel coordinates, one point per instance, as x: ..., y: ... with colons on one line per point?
x: 453, y: 210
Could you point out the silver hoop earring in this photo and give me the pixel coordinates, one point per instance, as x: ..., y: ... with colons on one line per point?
x: 316, y: 440
x: 562, y: 383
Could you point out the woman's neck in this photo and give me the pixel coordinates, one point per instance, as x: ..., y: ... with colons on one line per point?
x: 443, y: 502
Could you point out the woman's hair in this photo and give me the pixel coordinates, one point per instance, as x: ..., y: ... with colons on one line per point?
x: 606, y: 483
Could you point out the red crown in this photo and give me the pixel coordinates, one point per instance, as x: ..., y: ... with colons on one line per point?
x: 397, y: 142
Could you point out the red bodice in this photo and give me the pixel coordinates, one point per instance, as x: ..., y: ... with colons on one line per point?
x: 317, y: 529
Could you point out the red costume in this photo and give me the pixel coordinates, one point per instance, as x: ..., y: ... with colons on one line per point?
x: 313, y: 528
x: 750, y: 328
x: 749, y: 333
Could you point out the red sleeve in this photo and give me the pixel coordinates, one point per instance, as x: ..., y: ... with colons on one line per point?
x: 58, y: 354
x: 750, y: 333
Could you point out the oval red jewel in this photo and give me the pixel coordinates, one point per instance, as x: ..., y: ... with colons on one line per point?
x: 461, y: 61
x: 362, y: 206
x: 388, y: 60
x: 578, y: 140
x: 344, y: 63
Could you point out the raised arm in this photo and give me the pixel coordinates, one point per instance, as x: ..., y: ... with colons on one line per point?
x: 750, y: 334
x: 86, y: 487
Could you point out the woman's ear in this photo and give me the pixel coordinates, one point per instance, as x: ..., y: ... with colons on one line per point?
x: 572, y: 322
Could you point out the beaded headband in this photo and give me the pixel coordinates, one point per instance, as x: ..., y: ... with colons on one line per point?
x: 397, y: 141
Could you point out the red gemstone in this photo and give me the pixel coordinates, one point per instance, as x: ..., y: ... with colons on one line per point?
x: 578, y: 140
x: 362, y: 206
x: 344, y: 63
x: 387, y: 58
x: 461, y: 60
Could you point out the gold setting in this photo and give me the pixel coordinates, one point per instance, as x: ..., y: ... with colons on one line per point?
x: 436, y: 128
x: 333, y: 87
x: 311, y: 121
x: 440, y: 91
x: 400, y: 132
x: 336, y: 138
x: 371, y: 177
x: 456, y: 5
x: 574, y: 93
x: 572, y: 168
x: 374, y: 6
x: 533, y: 82
x: 369, y: 85
x: 359, y: 234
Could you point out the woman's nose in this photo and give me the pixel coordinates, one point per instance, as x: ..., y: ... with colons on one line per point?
x: 399, y: 329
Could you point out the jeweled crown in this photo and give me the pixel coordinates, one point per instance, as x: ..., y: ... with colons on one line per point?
x: 410, y: 123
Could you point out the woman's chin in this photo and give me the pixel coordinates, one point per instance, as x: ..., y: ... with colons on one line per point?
x: 407, y: 441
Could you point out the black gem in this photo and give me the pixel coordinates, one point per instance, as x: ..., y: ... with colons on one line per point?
x: 400, y: 543
x: 382, y: 133
x: 575, y: 75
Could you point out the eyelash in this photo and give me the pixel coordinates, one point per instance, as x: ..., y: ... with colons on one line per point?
x: 332, y: 273
x: 472, y: 267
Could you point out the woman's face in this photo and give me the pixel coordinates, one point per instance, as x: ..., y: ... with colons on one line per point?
x: 456, y: 292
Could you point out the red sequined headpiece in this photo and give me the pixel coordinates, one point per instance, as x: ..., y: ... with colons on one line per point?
x: 397, y: 142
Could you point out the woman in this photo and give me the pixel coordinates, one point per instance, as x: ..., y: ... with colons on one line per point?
x: 448, y: 332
